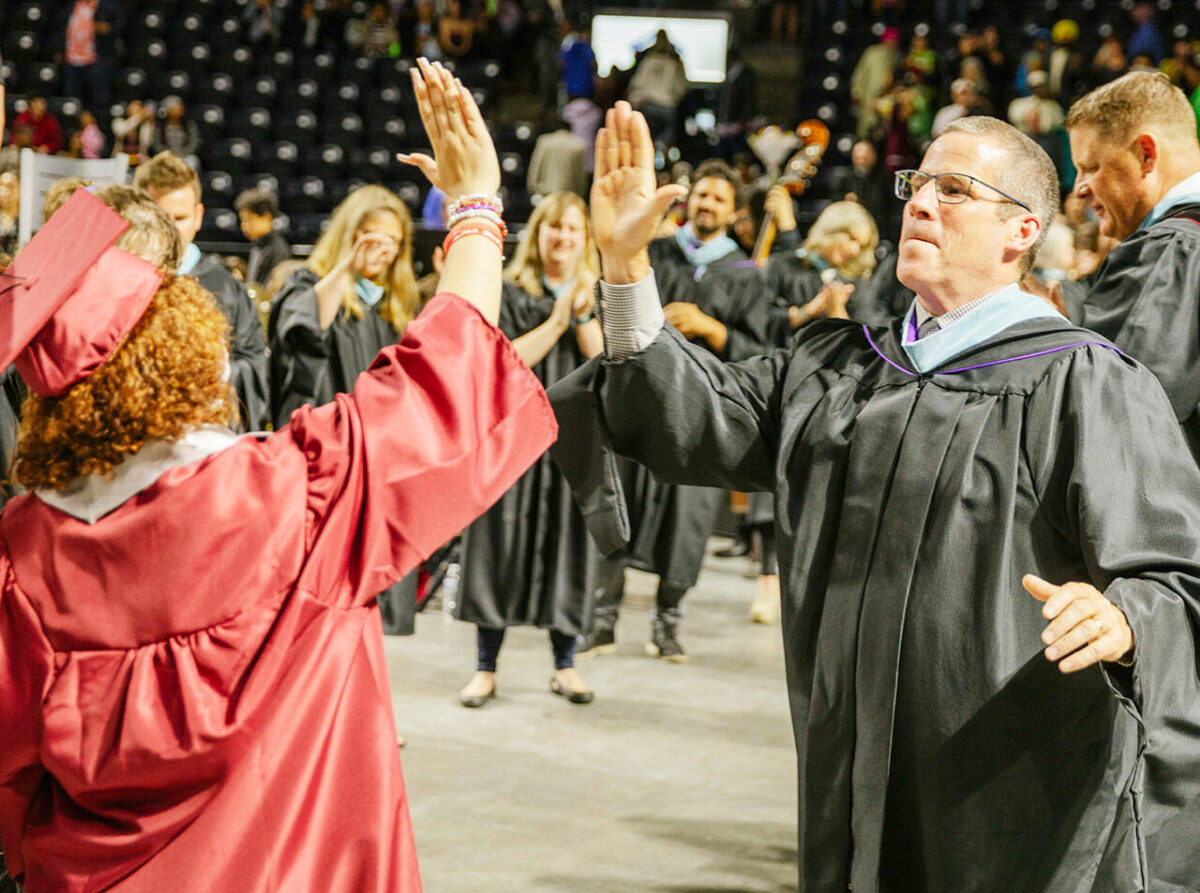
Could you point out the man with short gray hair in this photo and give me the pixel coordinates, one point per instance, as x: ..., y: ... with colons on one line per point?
x: 989, y: 540
x: 1134, y: 145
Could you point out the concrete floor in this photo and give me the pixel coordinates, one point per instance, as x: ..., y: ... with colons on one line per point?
x: 676, y: 779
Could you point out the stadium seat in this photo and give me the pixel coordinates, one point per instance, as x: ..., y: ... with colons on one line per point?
x: 233, y: 155
x: 217, y: 188
x: 210, y: 120
x: 281, y: 160
x: 329, y: 161
x: 297, y: 127
x: 216, y: 89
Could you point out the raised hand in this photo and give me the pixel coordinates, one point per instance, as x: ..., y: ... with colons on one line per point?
x: 626, y: 204
x: 464, y: 159
x: 1085, y: 627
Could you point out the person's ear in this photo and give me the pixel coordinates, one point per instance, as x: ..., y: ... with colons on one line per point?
x: 199, y: 215
x: 1145, y: 149
x: 1026, y: 234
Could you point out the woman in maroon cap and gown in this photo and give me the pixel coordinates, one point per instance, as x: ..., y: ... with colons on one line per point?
x: 190, y: 700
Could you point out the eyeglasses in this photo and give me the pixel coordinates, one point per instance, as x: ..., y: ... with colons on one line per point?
x: 952, y: 189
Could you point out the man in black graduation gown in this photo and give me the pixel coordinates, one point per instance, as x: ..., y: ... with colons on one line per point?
x: 169, y: 180
x: 1134, y: 145
x: 960, y: 726
x: 709, y: 292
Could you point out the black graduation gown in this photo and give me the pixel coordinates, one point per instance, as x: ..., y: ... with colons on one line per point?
x: 671, y: 524
x: 529, y: 560
x: 248, y: 350
x: 1145, y: 297
x: 938, y: 749
x: 312, y: 366
x: 792, y: 281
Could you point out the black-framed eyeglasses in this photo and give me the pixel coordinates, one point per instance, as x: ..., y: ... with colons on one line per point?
x: 952, y: 189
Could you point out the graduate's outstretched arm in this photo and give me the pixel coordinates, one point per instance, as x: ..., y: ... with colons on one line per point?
x: 627, y: 205
x: 1085, y: 627
x: 464, y: 163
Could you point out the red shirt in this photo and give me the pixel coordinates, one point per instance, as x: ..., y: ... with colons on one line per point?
x: 81, y: 33
x: 46, y: 132
x: 193, y: 689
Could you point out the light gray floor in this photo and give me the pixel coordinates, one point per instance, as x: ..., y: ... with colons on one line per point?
x: 676, y: 778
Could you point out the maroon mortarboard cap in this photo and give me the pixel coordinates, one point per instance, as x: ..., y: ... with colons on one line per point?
x: 70, y: 298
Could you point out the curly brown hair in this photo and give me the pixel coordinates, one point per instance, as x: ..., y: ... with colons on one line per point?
x: 168, y: 376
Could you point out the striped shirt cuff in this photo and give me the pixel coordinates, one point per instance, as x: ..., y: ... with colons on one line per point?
x: 631, y: 317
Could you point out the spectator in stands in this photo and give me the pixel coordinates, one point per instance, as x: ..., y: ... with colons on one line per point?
x: 427, y: 31
x: 1176, y: 67
x: 10, y: 207
x: 265, y: 20
x: 456, y: 32
x: 175, y: 187
x: 962, y: 103
x: 1109, y: 63
x: 973, y: 70
x: 74, y: 145
x: 1038, y: 113
x: 376, y: 35
x: 134, y: 133
x: 578, y: 64
x: 658, y: 85
x: 92, y: 136
x: 1035, y: 58
x: 1146, y: 39
x: 1065, y: 67
x: 10, y: 155
x: 921, y: 60
x: 176, y: 133
x: 257, y: 210
x: 997, y: 69
x: 47, y: 135
x: 89, y: 45
x: 543, y: 36
x: 557, y: 163
x: 872, y: 77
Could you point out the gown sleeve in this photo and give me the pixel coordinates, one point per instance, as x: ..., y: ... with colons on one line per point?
x: 27, y: 666
x: 433, y: 434
x: 675, y: 408
x: 1115, y: 475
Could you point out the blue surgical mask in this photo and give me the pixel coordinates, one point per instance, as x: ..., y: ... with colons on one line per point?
x: 368, y: 292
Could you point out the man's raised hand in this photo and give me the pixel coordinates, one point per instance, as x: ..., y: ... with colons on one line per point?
x: 1085, y: 627
x: 627, y: 205
x: 464, y: 159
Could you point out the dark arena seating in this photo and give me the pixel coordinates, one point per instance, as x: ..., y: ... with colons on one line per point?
x: 316, y: 122
x: 312, y: 124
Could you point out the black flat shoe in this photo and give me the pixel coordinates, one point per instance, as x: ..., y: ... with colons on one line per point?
x: 575, y: 697
x: 476, y: 700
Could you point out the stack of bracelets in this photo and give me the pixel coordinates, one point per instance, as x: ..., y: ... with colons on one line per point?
x: 476, y: 214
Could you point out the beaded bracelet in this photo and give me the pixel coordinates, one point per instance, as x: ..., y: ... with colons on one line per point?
x: 487, y: 230
x: 479, y: 214
x: 492, y: 202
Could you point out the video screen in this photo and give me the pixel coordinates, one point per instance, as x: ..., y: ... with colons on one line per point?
x: 701, y: 41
